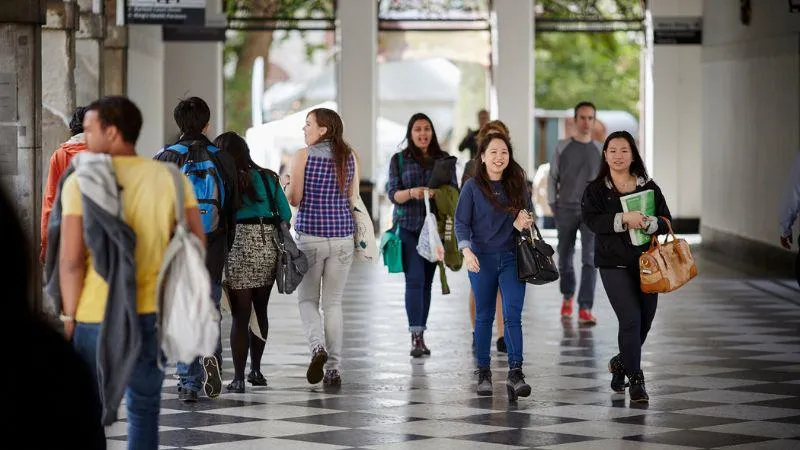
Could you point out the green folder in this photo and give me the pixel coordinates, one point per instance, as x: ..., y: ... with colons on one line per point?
x: 640, y: 201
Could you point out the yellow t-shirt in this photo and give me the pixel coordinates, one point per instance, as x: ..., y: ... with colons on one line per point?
x: 148, y: 200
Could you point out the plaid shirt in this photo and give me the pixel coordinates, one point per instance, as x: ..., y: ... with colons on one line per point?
x: 411, y: 214
x: 324, y: 210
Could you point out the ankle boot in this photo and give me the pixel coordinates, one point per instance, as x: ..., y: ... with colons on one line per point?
x: 416, y: 345
x: 637, y: 392
x: 484, y: 381
x: 425, y: 349
x: 617, y: 369
x: 516, y: 385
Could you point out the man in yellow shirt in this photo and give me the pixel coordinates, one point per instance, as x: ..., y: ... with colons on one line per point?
x: 148, y: 197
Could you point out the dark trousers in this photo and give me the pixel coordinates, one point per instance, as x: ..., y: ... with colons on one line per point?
x: 419, y: 279
x: 568, y: 222
x: 635, y: 311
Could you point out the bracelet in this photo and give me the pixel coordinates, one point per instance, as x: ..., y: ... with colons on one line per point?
x: 66, y: 318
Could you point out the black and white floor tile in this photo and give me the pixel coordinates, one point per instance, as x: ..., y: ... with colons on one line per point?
x: 722, y: 365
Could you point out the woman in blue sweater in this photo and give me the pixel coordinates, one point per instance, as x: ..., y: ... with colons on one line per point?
x: 492, y: 209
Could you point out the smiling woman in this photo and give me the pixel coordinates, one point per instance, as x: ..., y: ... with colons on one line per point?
x: 491, y: 207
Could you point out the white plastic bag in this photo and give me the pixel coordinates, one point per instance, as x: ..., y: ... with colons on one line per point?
x: 430, y: 245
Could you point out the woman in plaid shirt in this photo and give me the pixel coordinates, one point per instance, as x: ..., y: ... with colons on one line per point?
x: 322, y: 178
x: 409, y: 172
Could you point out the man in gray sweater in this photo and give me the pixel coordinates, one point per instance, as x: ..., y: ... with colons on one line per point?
x: 574, y: 164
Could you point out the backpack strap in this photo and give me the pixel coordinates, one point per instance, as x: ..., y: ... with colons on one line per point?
x: 180, y: 209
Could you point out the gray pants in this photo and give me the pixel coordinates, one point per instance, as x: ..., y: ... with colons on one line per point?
x: 329, y: 261
x: 568, y: 222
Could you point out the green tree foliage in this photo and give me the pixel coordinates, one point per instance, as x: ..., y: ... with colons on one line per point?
x: 599, y: 67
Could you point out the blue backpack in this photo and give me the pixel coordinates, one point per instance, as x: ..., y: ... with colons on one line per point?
x: 200, y: 166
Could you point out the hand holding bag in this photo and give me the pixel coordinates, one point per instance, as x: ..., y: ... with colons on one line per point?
x: 292, y: 263
x: 668, y: 266
x: 535, y: 263
x: 429, y: 241
x: 366, y: 249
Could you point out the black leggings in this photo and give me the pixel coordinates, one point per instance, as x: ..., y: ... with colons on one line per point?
x: 242, y: 339
x: 635, y: 312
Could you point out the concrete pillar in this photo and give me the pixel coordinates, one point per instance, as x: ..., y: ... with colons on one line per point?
x: 58, y: 81
x: 114, y: 68
x: 21, y: 116
x: 145, y: 84
x: 357, y: 35
x: 676, y: 157
x: 193, y: 69
x: 512, y: 75
x: 89, y: 52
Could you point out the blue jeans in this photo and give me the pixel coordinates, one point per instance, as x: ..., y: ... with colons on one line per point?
x: 192, y: 374
x: 568, y: 222
x: 143, y: 394
x: 498, y: 270
x: 419, y: 279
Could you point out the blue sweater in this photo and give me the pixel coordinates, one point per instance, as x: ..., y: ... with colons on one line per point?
x: 479, y: 225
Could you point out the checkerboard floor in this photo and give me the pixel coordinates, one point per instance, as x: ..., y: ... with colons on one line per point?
x: 722, y: 365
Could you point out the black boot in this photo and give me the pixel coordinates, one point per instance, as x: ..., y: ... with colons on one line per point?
x: 501, y: 345
x: 416, y: 345
x: 637, y: 392
x: 425, y: 349
x: 617, y: 369
x: 516, y: 385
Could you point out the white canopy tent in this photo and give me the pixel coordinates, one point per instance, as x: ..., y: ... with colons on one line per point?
x: 270, y: 141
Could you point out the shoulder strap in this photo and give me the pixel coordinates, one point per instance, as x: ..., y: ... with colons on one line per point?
x: 270, y: 197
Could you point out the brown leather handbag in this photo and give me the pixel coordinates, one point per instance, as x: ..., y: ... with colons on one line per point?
x: 668, y: 266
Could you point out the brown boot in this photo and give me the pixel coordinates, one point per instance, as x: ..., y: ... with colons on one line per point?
x: 416, y: 345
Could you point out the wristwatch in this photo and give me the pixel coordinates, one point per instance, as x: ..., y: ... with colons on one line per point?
x: 66, y: 318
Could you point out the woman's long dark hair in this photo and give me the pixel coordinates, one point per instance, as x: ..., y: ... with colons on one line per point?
x: 340, y: 149
x: 513, y: 179
x: 637, y: 168
x: 236, y: 146
x: 434, y: 150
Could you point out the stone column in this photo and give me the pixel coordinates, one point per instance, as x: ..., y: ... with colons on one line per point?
x: 512, y: 73
x: 89, y: 51
x: 21, y: 118
x: 58, y: 81
x: 114, y: 70
x: 357, y: 32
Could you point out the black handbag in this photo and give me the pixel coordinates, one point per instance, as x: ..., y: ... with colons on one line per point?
x: 535, y: 263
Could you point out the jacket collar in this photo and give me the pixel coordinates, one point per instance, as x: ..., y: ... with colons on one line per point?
x: 640, y: 181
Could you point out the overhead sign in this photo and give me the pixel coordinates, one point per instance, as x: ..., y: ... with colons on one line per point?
x: 165, y: 12
x: 678, y: 30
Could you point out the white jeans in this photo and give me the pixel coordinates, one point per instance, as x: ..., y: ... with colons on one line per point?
x: 329, y: 261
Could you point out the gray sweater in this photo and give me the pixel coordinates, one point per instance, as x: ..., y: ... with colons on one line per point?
x: 573, y: 166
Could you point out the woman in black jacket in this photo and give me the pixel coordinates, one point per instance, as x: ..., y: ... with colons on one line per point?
x: 622, y: 172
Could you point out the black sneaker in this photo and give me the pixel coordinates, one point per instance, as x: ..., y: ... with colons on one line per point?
x: 236, y: 386
x: 315, y: 373
x: 332, y: 378
x: 186, y: 395
x: 501, y: 345
x: 212, y: 381
x: 516, y: 385
x: 637, y: 392
x: 256, y: 378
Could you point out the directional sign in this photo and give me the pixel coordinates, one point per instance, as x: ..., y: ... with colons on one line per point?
x: 170, y: 12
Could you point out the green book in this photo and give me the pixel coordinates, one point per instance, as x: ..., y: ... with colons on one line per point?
x: 640, y: 201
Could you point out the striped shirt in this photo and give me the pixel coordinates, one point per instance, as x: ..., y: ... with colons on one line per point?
x: 324, y: 211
